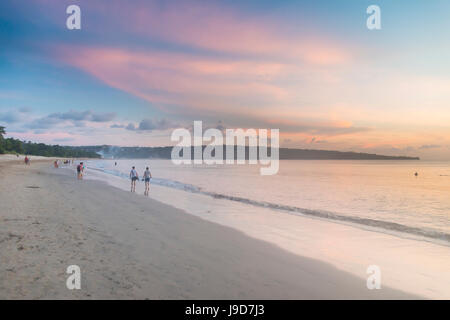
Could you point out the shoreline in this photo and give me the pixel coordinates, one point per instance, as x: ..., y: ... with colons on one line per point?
x: 368, y: 224
x: 398, y: 228
x: 132, y: 247
x: 348, y: 247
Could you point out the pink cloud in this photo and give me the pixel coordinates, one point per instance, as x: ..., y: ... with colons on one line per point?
x: 173, y: 78
x: 247, y: 63
x: 210, y: 26
x: 221, y: 29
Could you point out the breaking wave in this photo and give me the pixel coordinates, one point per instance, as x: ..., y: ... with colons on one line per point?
x: 386, y: 225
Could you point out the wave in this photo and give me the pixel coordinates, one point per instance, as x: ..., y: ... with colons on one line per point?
x: 381, y: 224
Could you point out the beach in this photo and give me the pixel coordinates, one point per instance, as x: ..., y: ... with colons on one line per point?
x: 383, y: 217
x: 131, y: 247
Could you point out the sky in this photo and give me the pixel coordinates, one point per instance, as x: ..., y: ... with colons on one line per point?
x: 137, y: 70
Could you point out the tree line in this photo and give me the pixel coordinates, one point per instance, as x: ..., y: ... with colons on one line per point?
x: 11, y: 145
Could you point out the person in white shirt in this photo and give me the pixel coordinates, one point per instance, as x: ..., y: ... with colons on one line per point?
x: 134, y: 177
x: 147, y: 177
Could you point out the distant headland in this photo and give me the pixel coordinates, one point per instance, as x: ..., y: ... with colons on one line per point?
x: 116, y: 152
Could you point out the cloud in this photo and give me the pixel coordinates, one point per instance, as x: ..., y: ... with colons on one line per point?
x: 256, y: 65
x: 76, y: 118
x: 87, y: 115
x: 10, y: 117
x: 117, y: 126
x: 43, y: 123
x: 213, y: 27
x: 177, y: 82
x: 71, y: 115
x: 316, y: 128
x: 429, y: 146
x: 210, y: 61
x: 130, y: 127
x: 103, y: 117
x: 149, y: 125
x: 25, y: 110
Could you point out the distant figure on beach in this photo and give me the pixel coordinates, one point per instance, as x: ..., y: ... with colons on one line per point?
x: 27, y: 160
x: 80, y: 169
x: 133, y: 176
x: 147, y: 177
x: 416, y: 174
x: 56, y: 163
x: 115, y: 163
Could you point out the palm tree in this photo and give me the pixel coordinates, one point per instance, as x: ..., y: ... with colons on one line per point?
x: 2, y: 132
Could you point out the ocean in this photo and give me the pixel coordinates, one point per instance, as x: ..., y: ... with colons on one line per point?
x: 351, y: 214
x: 382, y: 194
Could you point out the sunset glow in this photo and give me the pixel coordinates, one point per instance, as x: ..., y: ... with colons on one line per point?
x: 323, y: 79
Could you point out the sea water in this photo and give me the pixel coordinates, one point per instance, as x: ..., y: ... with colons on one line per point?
x: 351, y: 214
x: 383, y: 194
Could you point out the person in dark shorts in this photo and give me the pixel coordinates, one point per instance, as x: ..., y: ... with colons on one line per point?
x: 134, y: 177
x: 80, y: 168
x: 147, y: 177
x: 79, y: 171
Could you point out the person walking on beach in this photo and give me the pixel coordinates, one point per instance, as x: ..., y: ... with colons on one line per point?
x: 147, y: 177
x: 27, y: 160
x: 80, y: 169
x: 133, y: 176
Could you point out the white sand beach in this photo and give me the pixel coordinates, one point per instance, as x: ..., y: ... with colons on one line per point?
x: 131, y: 247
